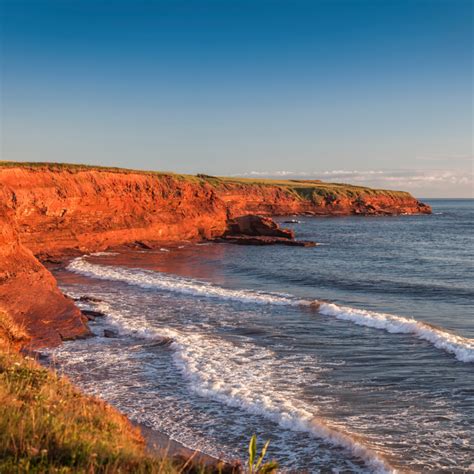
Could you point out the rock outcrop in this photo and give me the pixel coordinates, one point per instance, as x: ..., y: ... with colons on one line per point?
x: 48, y: 211
x: 258, y: 230
x: 253, y: 225
x: 264, y: 240
x: 60, y: 209
x: 29, y: 294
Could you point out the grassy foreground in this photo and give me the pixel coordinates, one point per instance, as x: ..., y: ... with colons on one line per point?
x: 49, y: 426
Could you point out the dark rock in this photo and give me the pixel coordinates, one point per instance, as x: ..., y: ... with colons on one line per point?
x: 37, y: 355
x: 263, y: 240
x: 91, y: 315
x: 41, y: 356
x: 51, y: 261
x: 110, y: 333
x: 302, y: 243
x: 253, y: 225
x: 142, y: 245
x: 88, y: 299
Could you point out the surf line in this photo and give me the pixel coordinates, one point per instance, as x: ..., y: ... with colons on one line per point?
x: 190, y: 357
x: 461, y: 347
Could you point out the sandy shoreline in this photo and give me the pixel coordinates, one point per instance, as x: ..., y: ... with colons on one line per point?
x: 157, y: 443
x: 161, y: 444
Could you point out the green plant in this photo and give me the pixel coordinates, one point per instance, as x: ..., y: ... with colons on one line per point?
x: 48, y: 426
x: 255, y: 465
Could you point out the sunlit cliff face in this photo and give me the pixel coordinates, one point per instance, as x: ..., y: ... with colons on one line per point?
x: 56, y: 210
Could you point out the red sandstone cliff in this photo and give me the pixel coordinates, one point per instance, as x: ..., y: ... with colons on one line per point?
x: 244, y: 198
x: 55, y: 209
x: 87, y: 209
x: 29, y: 294
x: 92, y: 210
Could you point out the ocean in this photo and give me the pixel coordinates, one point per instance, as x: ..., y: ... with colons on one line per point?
x: 353, y: 356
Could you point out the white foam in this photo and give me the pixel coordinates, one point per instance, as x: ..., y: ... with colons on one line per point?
x: 133, y: 326
x: 243, y: 376
x: 240, y: 378
x: 461, y: 347
x: 161, y: 281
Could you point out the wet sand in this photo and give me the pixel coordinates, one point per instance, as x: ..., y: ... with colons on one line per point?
x: 160, y: 444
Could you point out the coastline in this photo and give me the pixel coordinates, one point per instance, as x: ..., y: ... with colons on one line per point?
x: 58, y: 214
x: 206, y: 252
x: 77, y: 432
x: 51, y: 210
x: 158, y: 444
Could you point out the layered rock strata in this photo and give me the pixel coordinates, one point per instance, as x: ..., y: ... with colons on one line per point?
x: 48, y: 211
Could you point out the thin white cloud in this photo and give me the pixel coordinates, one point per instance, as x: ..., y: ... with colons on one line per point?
x: 430, y: 182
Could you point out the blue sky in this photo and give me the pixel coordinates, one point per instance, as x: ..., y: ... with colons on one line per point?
x: 373, y: 92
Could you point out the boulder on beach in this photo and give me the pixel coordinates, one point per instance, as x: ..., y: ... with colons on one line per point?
x: 88, y: 299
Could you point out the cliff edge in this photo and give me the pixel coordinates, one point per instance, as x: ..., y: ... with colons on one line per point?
x: 29, y: 294
x: 53, y: 209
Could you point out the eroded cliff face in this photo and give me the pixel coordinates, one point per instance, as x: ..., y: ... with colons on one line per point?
x: 52, y: 211
x: 91, y: 210
x: 245, y: 199
x: 29, y: 294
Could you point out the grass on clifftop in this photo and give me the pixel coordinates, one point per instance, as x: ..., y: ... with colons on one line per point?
x: 75, y: 168
x: 47, y: 425
x: 313, y: 190
x: 11, y: 334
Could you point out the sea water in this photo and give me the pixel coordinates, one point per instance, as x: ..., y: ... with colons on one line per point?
x: 353, y: 356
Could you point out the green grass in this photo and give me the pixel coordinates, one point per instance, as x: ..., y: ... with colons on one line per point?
x: 312, y: 190
x: 76, y: 168
x: 47, y: 425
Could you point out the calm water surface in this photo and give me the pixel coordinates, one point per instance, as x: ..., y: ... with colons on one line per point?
x: 353, y: 356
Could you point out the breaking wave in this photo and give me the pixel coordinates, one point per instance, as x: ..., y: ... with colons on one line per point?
x: 461, y: 347
x: 239, y: 376
x: 230, y: 378
x: 154, y: 280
